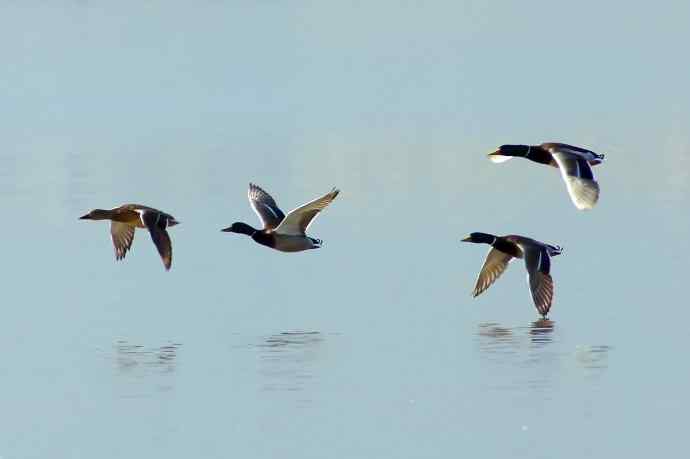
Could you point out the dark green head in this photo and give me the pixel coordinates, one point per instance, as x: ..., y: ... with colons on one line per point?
x: 480, y: 238
x: 511, y: 150
x: 241, y: 228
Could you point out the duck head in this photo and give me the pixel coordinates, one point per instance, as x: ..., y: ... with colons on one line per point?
x: 241, y: 228
x: 480, y: 238
x: 505, y: 152
x: 96, y: 214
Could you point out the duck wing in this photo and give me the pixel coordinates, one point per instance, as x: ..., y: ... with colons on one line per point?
x: 538, y: 266
x: 578, y: 178
x: 122, y: 235
x: 265, y: 207
x: 297, y: 221
x: 157, y: 224
x: 496, y: 262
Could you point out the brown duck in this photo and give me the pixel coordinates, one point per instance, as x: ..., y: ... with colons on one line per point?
x: 126, y: 218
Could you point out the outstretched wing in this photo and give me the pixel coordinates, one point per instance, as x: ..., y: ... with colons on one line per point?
x: 540, y: 282
x: 298, y: 220
x: 122, y: 235
x: 156, y: 224
x: 495, y: 264
x: 265, y: 207
x: 578, y: 178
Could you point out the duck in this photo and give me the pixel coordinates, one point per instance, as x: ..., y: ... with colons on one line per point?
x: 537, y: 256
x: 285, y: 233
x: 573, y: 162
x: 126, y: 218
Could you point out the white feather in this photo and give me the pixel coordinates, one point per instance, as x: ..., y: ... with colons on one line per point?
x: 499, y: 158
x: 583, y: 192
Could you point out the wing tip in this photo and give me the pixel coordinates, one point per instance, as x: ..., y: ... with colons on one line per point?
x: 543, y: 296
x: 583, y: 192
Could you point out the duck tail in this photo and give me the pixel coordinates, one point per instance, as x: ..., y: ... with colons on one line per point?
x: 555, y: 250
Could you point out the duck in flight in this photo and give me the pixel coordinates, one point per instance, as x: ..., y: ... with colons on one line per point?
x: 286, y: 233
x: 573, y: 162
x: 126, y: 218
x: 537, y: 257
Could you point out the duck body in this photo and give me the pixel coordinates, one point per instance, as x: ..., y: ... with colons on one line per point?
x: 537, y: 256
x: 574, y: 163
x: 285, y: 233
x: 126, y: 218
x: 273, y: 240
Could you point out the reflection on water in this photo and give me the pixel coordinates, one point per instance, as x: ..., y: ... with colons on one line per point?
x: 541, y: 331
x: 143, y: 371
x: 287, y: 361
x: 496, y: 339
x: 534, y: 357
x: 593, y: 357
x: 130, y: 357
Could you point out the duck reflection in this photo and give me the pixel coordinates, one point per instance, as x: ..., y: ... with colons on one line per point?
x: 541, y: 331
x: 130, y: 357
x: 592, y: 357
x: 288, y: 359
x: 535, y: 358
x: 143, y: 371
x: 495, y: 339
x: 524, y: 352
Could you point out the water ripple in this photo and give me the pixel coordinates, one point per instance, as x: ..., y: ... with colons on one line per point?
x: 288, y: 361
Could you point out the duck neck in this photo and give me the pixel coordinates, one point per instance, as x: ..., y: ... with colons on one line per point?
x: 532, y: 152
x: 482, y: 238
x: 243, y: 228
x: 519, y: 151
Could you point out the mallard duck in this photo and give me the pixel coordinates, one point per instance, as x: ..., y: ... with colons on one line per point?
x: 286, y: 233
x: 537, y: 260
x: 573, y: 162
x: 126, y: 218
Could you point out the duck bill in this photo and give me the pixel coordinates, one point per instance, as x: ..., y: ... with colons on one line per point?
x: 467, y: 239
x: 85, y: 217
x: 173, y: 222
x: 227, y: 230
x: 498, y: 157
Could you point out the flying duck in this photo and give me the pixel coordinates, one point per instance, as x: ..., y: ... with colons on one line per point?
x: 286, y: 233
x: 537, y: 260
x: 573, y: 162
x: 126, y: 218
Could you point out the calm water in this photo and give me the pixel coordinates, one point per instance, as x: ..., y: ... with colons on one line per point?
x: 371, y: 347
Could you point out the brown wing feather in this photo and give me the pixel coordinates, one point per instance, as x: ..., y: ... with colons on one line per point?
x: 541, y: 286
x: 122, y: 235
x: 156, y: 224
x: 538, y: 266
x: 495, y: 264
